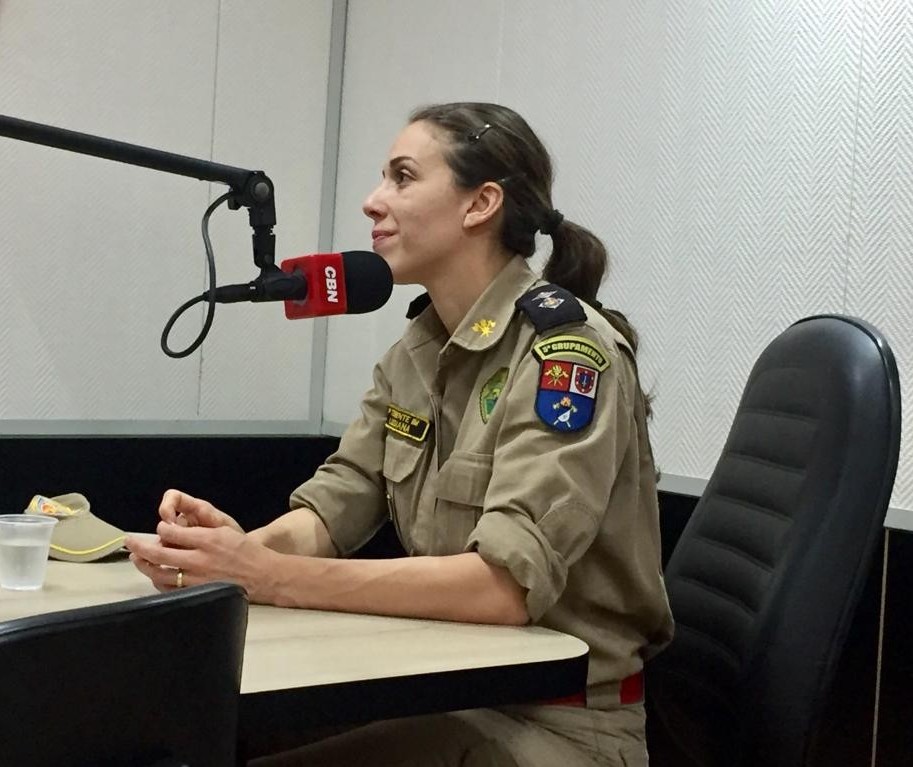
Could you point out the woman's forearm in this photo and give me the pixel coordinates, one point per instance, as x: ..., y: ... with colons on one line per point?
x: 299, y: 531
x: 462, y: 587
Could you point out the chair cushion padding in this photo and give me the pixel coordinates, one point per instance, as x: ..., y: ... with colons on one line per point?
x: 766, y: 575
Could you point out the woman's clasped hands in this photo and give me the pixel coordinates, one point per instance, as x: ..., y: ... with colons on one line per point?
x: 197, y: 543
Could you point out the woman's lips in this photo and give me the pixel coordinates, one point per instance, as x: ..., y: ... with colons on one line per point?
x: 379, y: 238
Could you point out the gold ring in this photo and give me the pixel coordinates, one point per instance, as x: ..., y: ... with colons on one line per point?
x: 180, y: 580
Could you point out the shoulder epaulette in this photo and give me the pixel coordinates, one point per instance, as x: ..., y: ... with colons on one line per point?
x: 549, y: 306
x: 417, y: 306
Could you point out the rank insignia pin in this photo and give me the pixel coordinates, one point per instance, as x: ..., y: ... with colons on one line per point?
x: 547, y: 300
x: 484, y: 327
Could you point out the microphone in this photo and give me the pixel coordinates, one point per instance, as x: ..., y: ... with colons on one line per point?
x: 319, y: 285
x: 353, y: 282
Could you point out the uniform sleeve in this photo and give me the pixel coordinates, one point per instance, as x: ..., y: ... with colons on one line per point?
x: 347, y: 491
x: 549, y: 489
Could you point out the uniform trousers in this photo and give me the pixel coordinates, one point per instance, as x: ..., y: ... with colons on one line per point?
x: 513, y: 736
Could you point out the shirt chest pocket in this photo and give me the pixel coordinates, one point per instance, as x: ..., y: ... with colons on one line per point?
x: 460, y: 489
x: 401, y: 459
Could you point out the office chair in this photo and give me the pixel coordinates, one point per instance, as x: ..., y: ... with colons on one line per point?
x: 148, y: 681
x: 766, y: 575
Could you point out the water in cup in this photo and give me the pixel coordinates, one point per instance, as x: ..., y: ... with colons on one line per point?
x: 20, y: 561
x: 24, y: 544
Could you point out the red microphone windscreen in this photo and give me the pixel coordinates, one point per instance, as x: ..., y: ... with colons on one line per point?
x: 351, y: 282
x: 326, y: 285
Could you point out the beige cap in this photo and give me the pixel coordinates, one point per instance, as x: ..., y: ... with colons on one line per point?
x: 79, y: 536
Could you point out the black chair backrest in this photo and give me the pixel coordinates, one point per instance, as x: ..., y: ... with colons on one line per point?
x: 766, y: 575
x: 139, y: 682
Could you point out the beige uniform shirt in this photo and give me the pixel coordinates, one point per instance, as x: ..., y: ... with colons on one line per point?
x: 449, y: 446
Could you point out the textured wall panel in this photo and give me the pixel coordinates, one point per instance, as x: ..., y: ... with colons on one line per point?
x: 398, y: 55
x: 93, y: 252
x: 269, y: 114
x: 711, y: 147
x: 880, y: 270
x: 97, y: 255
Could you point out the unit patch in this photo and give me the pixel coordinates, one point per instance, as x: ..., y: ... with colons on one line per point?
x: 490, y: 392
x: 567, y: 394
x: 566, y: 397
x: 571, y: 345
x: 406, y: 424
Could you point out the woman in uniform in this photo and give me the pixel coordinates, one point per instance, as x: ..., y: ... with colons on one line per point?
x: 504, y: 435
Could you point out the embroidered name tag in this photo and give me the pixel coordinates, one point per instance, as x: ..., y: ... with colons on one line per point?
x: 407, y: 424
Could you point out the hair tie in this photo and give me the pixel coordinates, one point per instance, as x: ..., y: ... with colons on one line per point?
x: 551, y: 221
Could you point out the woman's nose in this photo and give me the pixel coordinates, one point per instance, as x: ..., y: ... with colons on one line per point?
x: 372, y: 207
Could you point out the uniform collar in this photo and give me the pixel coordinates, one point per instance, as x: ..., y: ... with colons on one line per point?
x: 425, y: 326
x: 485, y: 323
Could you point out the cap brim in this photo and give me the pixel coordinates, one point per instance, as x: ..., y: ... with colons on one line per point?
x: 84, y: 538
x: 81, y: 536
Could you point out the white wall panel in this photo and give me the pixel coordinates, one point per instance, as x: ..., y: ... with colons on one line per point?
x: 398, y: 55
x: 719, y: 141
x: 880, y: 271
x: 744, y: 162
x: 270, y: 107
x: 97, y: 255
x: 713, y: 147
x: 93, y: 252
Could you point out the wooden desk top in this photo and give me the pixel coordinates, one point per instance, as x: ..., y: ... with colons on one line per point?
x: 290, y: 648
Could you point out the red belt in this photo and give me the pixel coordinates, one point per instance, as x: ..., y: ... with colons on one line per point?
x: 630, y: 690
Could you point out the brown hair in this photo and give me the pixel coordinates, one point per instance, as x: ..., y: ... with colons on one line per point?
x: 490, y: 142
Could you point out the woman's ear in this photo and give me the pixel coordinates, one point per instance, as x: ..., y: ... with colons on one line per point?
x: 488, y: 201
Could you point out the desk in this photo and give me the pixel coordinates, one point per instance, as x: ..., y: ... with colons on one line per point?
x: 307, y: 668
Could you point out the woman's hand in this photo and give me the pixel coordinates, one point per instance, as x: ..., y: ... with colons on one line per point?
x: 187, y: 556
x: 185, y: 510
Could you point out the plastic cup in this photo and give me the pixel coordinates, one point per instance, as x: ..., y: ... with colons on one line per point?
x: 25, y: 540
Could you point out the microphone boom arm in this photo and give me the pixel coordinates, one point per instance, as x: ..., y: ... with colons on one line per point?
x: 251, y: 189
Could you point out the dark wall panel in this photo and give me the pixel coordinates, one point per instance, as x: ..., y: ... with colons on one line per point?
x: 124, y: 478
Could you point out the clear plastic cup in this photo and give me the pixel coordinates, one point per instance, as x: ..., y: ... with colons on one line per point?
x: 25, y: 540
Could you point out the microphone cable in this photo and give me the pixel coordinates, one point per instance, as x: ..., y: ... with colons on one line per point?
x: 211, y: 293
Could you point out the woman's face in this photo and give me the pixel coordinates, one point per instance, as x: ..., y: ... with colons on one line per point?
x: 417, y: 210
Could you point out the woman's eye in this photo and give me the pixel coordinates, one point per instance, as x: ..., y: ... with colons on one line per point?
x: 401, y: 177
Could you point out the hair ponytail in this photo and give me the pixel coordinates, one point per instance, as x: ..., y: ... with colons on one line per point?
x: 490, y: 142
x: 578, y: 260
x: 578, y: 263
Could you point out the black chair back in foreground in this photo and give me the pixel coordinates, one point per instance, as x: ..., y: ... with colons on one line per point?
x: 765, y: 578
x: 154, y: 680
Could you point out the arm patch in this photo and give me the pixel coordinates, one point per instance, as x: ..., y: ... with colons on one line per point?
x: 549, y: 306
